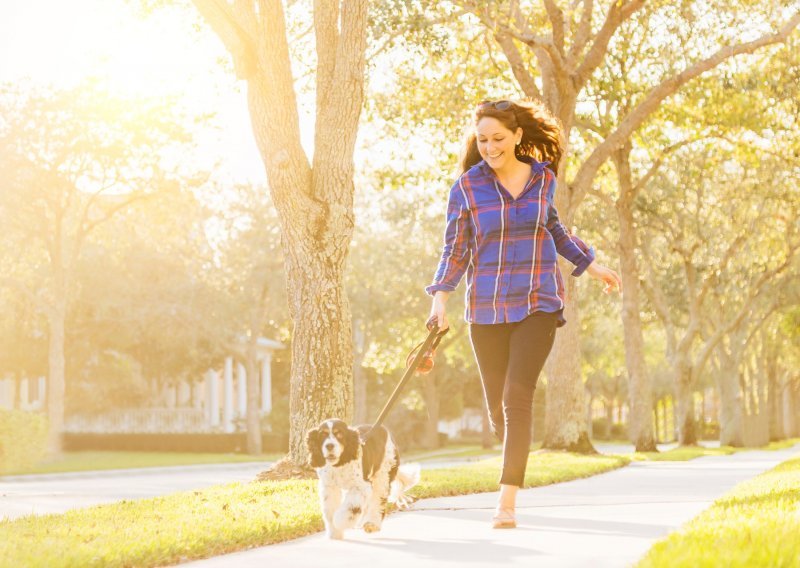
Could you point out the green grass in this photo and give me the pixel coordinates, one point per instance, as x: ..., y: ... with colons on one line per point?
x: 755, y: 524
x: 198, y: 524
x: 782, y: 444
x: 91, y: 461
x: 544, y: 468
x: 682, y: 453
x: 452, y: 452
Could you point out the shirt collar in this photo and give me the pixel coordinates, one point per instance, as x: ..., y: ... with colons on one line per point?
x: 537, y: 167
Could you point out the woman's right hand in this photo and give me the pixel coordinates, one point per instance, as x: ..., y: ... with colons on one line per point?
x: 438, y: 309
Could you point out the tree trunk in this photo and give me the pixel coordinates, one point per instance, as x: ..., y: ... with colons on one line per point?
x: 656, y: 420
x: 774, y: 405
x: 640, y: 430
x: 687, y: 428
x: 56, y: 315
x: 56, y: 380
x: 701, y: 423
x: 609, y: 418
x: 731, y: 424
x: 589, y: 425
x: 321, y: 385
x: 792, y: 408
x: 565, y: 417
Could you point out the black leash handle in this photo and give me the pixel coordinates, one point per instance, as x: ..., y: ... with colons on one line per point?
x: 431, y: 342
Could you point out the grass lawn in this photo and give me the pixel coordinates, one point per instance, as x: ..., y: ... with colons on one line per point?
x: 89, y: 461
x: 453, y: 452
x: 755, y: 524
x: 197, y: 524
x: 682, y: 453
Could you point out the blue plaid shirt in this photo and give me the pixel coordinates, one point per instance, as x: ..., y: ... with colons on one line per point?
x: 507, y: 247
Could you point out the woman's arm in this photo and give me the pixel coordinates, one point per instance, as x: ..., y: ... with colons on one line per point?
x: 456, y: 253
x: 569, y: 246
x: 574, y: 249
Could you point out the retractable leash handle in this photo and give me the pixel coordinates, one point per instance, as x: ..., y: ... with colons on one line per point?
x: 426, y: 350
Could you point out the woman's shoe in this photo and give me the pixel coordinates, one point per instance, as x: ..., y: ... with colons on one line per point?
x: 504, y: 519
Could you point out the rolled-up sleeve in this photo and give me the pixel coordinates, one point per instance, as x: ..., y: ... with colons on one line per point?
x: 569, y: 246
x: 456, y: 253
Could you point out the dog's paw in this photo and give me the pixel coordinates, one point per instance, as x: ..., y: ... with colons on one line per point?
x: 371, y: 527
x: 336, y: 534
x: 405, y: 502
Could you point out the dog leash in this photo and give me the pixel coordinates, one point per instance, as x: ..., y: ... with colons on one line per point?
x: 425, y: 352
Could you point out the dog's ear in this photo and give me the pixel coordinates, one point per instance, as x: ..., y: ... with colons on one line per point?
x: 352, y: 441
x: 314, y: 445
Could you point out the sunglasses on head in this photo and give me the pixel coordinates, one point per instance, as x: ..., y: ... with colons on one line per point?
x: 499, y: 105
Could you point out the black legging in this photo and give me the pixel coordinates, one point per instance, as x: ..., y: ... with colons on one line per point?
x: 510, y: 357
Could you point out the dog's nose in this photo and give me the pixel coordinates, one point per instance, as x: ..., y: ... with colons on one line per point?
x: 329, y: 446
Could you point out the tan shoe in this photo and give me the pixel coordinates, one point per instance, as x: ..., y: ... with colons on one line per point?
x: 504, y: 519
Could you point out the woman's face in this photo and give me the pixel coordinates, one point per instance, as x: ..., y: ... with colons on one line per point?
x: 496, y: 142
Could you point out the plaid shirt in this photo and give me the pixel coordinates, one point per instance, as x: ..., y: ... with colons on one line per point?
x: 507, y: 247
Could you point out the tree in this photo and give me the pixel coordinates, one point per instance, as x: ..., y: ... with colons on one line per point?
x: 71, y: 161
x: 314, y: 198
x: 143, y: 288
x: 713, y: 247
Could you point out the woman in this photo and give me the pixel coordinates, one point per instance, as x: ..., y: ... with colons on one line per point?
x: 502, y: 229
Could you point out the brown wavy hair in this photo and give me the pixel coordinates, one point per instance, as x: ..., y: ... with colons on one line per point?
x: 541, y: 132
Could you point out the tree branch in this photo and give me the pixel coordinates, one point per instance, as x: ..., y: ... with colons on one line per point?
x: 617, y: 14
x: 235, y: 26
x: 556, y: 16
x: 337, y: 119
x: 518, y: 66
x: 13, y: 283
x: 669, y: 86
x: 582, y: 35
x: 326, y: 34
x: 645, y: 179
x: 655, y: 294
x: 546, y: 45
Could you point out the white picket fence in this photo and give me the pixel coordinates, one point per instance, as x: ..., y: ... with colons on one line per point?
x: 142, y: 421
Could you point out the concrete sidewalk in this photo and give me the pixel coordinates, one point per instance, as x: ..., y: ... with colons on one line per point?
x: 609, y: 520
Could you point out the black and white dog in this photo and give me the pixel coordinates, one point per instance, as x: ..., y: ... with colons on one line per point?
x: 359, y: 472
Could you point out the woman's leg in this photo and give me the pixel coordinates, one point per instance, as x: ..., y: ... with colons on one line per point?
x: 490, y: 343
x: 530, y: 343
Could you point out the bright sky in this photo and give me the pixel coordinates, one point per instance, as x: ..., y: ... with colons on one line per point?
x: 60, y: 42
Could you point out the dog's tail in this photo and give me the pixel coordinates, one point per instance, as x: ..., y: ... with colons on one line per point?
x: 407, y: 477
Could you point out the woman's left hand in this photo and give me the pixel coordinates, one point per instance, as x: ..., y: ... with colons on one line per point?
x: 610, y: 278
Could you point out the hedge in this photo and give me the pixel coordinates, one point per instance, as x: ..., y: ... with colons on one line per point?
x: 169, y: 442
x: 23, y: 439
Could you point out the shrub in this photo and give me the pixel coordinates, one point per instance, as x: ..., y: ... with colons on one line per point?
x: 618, y: 431
x: 710, y: 430
x: 23, y: 439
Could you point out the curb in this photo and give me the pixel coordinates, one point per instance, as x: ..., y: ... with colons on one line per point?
x: 132, y: 471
